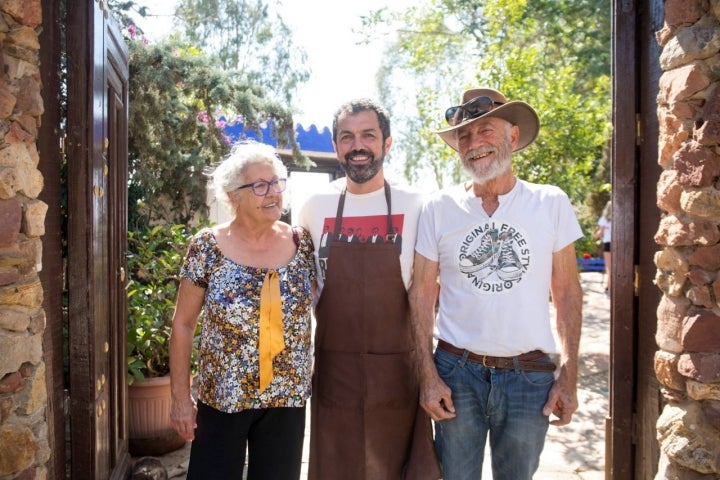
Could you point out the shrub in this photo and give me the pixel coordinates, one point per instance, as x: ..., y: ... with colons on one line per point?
x: 154, y: 261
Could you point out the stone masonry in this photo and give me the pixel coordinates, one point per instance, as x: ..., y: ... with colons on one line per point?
x: 24, y: 448
x: 687, y: 363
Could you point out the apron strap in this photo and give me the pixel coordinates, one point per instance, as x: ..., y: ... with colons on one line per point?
x: 341, y: 207
x: 388, y: 199
x: 339, y: 214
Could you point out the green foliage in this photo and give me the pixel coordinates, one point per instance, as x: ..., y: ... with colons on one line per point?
x: 177, y: 95
x: 554, y: 54
x: 155, y: 257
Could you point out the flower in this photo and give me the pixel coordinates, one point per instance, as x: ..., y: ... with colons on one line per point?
x: 203, y: 116
x: 586, y: 256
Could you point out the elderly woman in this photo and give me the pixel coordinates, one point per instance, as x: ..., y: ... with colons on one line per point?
x: 251, y: 281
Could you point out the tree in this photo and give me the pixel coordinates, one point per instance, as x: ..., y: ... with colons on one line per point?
x: 554, y: 54
x: 247, y: 36
x: 177, y: 96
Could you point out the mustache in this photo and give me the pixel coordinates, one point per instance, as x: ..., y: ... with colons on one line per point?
x: 479, y: 151
x: 352, y: 153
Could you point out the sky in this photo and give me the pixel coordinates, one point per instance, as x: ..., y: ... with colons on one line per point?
x: 340, y: 68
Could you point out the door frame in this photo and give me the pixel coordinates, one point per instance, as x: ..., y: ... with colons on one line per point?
x: 51, y: 275
x: 635, y: 401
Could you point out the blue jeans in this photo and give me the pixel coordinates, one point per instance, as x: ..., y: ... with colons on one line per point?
x: 507, y: 404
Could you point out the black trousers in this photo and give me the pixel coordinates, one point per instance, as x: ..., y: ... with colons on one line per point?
x: 273, y: 437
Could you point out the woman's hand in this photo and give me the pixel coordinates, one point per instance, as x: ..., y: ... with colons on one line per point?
x: 182, y: 417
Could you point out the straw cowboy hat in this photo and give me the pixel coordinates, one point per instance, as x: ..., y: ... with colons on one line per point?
x: 480, y: 103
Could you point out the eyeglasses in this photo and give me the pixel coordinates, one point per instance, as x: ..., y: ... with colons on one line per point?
x: 262, y: 187
x: 473, y: 108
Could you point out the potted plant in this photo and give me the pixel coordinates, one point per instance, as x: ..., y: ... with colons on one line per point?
x: 154, y: 261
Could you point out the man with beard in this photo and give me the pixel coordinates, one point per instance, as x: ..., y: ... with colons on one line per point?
x: 366, y: 421
x: 499, y: 245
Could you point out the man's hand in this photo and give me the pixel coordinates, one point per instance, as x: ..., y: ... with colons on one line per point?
x: 436, y: 400
x: 562, y: 402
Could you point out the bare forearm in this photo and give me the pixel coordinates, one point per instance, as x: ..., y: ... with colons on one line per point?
x: 569, y: 325
x: 187, y: 311
x: 423, y: 297
x: 567, y: 297
x: 422, y: 318
x: 180, y: 358
x: 435, y: 396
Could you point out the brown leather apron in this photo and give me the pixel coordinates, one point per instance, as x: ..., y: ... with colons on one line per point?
x: 366, y: 423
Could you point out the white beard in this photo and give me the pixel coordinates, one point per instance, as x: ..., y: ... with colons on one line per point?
x: 483, y: 173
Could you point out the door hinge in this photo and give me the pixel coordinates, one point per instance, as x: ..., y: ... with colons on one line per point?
x: 636, y: 280
x: 638, y: 130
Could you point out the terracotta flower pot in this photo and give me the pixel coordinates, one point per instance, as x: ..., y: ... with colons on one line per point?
x: 149, y: 418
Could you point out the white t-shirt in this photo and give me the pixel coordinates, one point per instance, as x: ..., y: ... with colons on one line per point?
x: 607, y: 229
x: 495, y: 271
x: 364, y: 220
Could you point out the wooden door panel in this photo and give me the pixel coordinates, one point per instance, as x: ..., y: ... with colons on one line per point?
x: 634, y: 391
x: 624, y: 181
x: 116, y: 155
x: 97, y: 175
x: 649, y: 403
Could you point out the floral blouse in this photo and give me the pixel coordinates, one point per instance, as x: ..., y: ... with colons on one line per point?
x: 228, y: 365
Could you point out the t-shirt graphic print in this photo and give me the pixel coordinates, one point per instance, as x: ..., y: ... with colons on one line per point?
x: 369, y: 229
x: 493, y: 256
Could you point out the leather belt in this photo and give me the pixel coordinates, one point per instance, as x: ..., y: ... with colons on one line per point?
x: 526, y: 361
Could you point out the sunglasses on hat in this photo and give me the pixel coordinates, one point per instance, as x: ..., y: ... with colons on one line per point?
x: 473, y: 108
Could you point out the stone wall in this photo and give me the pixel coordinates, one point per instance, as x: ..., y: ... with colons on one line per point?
x: 24, y: 448
x: 687, y: 363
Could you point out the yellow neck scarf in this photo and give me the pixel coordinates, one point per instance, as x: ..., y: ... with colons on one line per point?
x: 270, y: 338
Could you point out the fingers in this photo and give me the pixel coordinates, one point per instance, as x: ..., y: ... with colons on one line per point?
x: 187, y: 431
x: 561, y: 406
x: 447, y: 404
x: 564, y: 415
x: 551, y: 405
x: 185, y: 428
x: 439, y: 406
x: 182, y: 419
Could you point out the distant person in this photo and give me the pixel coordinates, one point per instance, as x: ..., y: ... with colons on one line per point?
x: 359, y: 235
x: 395, y: 238
x: 366, y: 420
x: 324, y: 245
x: 496, y: 247
x: 251, y: 281
x: 604, y: 233
x: 375, y: 236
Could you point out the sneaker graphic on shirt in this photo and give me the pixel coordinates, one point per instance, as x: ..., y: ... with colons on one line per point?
x: 483, y: 256
x: 509, y: 267
x: 494, y: 257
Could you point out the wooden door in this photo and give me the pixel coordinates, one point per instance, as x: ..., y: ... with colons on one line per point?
x: 635, y: 400
x: 51, y: 275
x: 97, y: 69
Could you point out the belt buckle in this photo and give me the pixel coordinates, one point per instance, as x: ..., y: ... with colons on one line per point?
x: 483, y: 362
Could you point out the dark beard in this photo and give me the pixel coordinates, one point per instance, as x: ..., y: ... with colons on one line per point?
x: 363, y: 173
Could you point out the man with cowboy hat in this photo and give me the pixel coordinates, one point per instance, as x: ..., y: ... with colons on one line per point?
x: 498, y: 245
